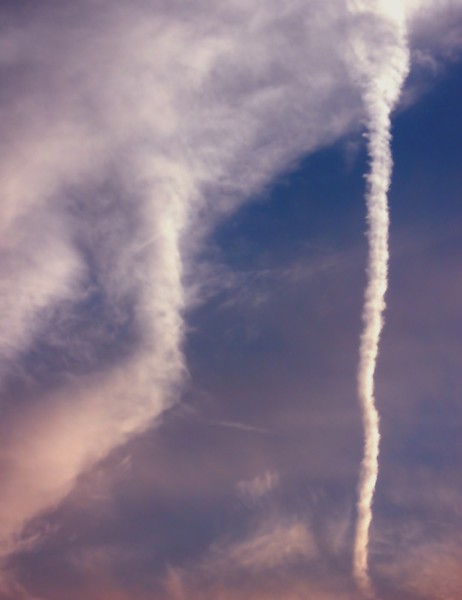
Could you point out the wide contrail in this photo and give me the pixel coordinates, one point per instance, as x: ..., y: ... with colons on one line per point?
x: 381, y: 63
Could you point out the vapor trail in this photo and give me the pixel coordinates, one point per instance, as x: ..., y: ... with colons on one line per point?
x: 381, y: 64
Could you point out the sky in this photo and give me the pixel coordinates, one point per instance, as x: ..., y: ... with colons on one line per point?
x: 187, y: 236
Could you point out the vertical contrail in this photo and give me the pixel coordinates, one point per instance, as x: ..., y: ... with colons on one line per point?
x: 381, y: 62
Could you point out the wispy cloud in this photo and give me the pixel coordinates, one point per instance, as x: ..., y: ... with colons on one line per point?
x: 129, y: 129
x: 171, y: 103
x: 258, y: 487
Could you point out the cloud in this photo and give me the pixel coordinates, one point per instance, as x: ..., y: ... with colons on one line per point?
x: 255, y: 489
x: 427, y: 570
x: 171, y: 103
x: 274, y: 545
x: 260, y: 564
x: 128, y: 131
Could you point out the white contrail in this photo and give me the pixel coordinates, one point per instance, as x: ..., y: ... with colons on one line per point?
x: 381, y: 64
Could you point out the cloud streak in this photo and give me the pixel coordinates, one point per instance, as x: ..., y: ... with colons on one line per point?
x: 381, y: 69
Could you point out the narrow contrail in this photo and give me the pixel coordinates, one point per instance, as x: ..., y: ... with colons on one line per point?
x: 381, y: 64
